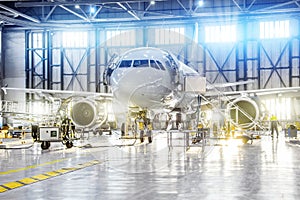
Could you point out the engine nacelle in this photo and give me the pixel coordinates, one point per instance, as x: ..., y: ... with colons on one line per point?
x: 243, y: 112
x: 87, y: 113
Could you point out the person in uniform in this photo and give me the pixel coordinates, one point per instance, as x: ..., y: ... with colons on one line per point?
x: 274, y: 125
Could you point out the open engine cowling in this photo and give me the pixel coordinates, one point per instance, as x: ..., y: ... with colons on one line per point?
x: 243, y: 112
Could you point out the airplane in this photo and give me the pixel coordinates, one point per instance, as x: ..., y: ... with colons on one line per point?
x: 148, y: 81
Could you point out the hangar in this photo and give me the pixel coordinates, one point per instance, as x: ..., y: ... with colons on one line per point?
x: 151, y: 99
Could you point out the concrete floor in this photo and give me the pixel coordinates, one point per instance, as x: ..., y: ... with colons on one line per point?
x: 104, y: 167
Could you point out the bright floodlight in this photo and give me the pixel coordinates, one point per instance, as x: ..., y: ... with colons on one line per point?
x: 200, y: 3
x: 92, y: 10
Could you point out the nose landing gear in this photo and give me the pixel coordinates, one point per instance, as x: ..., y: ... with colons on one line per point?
x: 144, y: 124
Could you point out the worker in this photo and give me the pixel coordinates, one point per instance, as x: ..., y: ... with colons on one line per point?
x: 274, y: 125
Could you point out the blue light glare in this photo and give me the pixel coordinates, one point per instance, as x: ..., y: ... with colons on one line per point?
x: 92, y: 9
x: 200, y: 3
x: 220, y: 34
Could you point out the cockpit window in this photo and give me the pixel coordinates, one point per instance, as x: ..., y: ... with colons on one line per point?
x: 153, y: 64
x: 156, y: 64
x: 171, y: 62
x: 140, y: 63
x: 160, y: 65
x: 168, y: 64
x: 125, y: 63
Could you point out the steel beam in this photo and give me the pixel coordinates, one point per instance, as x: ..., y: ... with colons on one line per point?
x: 74, y: 13
x: 76, y: 2
x: 19, y: 13
x: 129, y: 11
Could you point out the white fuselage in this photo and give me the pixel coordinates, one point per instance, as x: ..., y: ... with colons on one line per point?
x: 148, y: 78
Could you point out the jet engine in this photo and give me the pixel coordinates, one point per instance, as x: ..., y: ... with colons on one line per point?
x: 88, y: 113
x: 243, y: 112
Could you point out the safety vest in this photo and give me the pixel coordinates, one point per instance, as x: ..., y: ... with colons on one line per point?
x: 273, y: 118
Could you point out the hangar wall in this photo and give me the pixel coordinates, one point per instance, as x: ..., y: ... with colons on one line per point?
x: 52, y: 64
x: 14, y: 62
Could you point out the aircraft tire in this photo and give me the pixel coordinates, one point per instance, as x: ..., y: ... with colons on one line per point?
x: 142, y: 136
x: 69, y: 144
x: 45, y: 145
x: 150, y: 139
x: 123, y: 129
x: 34, y: 130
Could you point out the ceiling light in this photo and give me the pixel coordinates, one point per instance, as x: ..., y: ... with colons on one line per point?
x: 77, y: 6
x: 200, y: 3
x: 152, y: 2
x: 92, y: 10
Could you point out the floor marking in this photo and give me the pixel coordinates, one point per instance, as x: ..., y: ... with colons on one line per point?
x: 13, y: 185
x: 28, y: 181
x: 40, y: 177
x: 31, y: 167
x: 52, y: 173
x: 2, y: 189
x: 64, y: 170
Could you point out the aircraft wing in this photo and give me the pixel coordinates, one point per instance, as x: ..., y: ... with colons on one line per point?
x: 288, y: 91
x: 58, y: 92
x: 86, y: 109
x: 223, y: 85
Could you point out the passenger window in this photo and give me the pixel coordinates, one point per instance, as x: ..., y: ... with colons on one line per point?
x: 140, y: 63
x: 153, y: 64
x: 125, y: 64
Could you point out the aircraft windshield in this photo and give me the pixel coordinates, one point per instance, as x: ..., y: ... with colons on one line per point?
x: 153, y: 64
x: 156, y: 64
x: 171, y: 62
x: 160, y: 65
x: 125, y: 64
x: 168, y: 64
x: 140, y: 63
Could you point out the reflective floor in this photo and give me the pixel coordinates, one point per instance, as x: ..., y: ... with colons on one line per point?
x: 104, y: 167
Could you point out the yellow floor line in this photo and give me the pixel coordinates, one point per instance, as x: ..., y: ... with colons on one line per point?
x: 28, y: 180
x: 40, y: 177
x: 13, y: 185
x: 2, y: 189
x: 31, y: 167
x: 52, y: 173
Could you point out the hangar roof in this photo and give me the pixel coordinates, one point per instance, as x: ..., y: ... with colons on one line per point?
x: 58, y: 13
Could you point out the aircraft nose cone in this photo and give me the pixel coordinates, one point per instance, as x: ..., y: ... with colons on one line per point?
x: 144, y: 87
